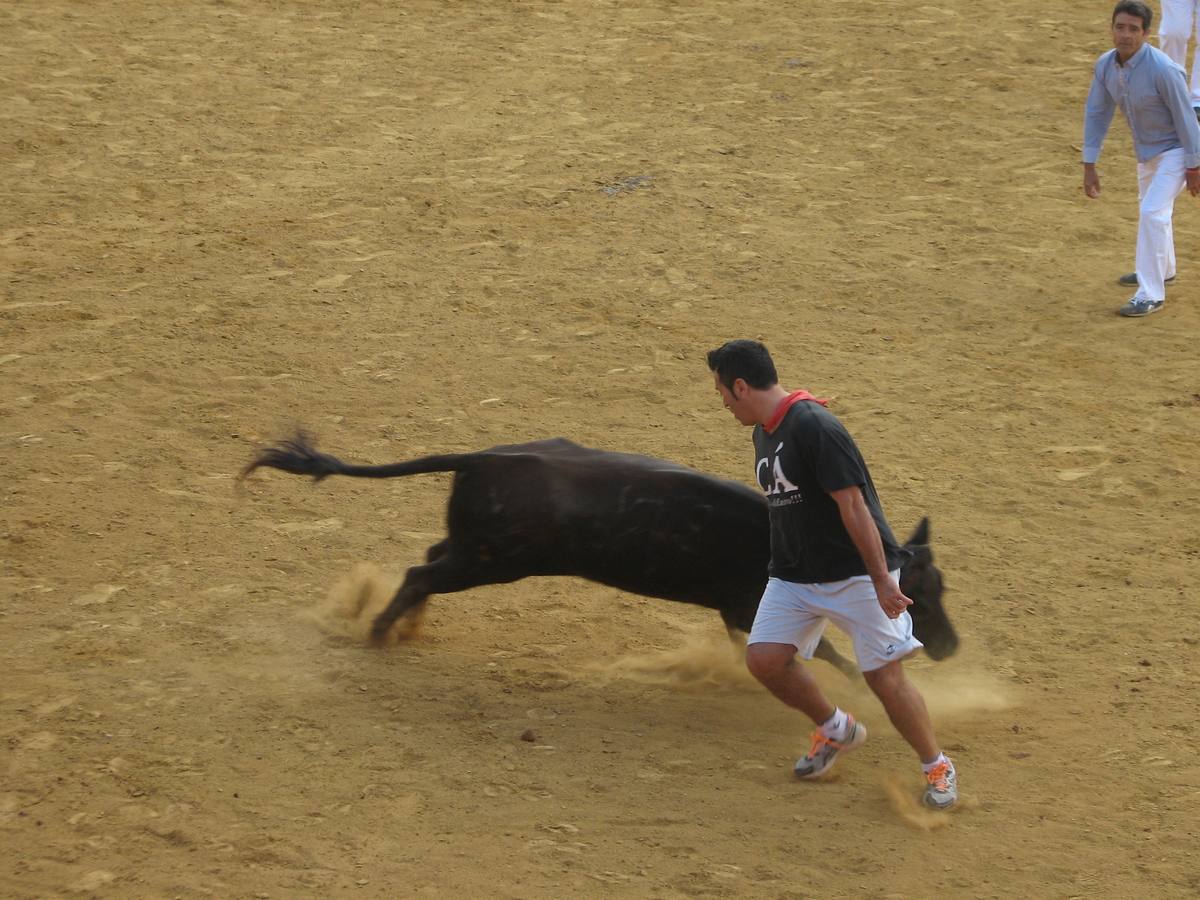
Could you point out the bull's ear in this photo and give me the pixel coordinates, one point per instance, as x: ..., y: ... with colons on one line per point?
x: 921, y: 535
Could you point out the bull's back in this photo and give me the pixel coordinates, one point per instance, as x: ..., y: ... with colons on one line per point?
x: 638, y: 523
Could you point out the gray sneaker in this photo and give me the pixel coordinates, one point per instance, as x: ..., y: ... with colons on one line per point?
x: 942, y: 791
x: 1138, y: 306
x: 824, y: 751
x: 1130, y: 279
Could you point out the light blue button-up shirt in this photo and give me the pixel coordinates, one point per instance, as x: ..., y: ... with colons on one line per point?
x: 1153, y: 94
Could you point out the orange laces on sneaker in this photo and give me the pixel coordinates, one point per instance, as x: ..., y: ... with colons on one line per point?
x: 820, y: 742
x: 938, y: 776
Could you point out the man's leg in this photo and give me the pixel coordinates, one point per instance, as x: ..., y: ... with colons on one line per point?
x: 784, y: 626
x: 787, y: 625
x: 776, y: 666
x: 1175, y: 28
x: 880, y: 644
x: 1160, y: 181
x: 905, y: 707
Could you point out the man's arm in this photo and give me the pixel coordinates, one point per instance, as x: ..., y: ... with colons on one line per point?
x: 1097, y: 116
x: 1175, y: 94
x: 860, y: 525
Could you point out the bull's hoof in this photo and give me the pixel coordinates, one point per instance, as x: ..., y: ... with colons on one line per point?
x: 389, y: 628
x: 378, y: 635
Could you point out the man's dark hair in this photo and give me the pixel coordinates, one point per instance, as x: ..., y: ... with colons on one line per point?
x: 1135, y: 8
x: 748, y: 360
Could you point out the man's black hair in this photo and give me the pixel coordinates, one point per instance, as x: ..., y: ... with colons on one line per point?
x: 1135, y: 8
x: 748, y: 360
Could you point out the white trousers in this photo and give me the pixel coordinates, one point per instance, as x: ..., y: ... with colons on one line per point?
x: 1160, y: 181
x: 796, y: 614
x: 1180, y: 20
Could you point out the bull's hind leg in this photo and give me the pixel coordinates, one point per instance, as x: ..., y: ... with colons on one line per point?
x: 826, y: 651
x: 737, y: 638
x: 444, y: 575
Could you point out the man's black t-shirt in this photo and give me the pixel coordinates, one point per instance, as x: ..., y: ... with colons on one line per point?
x: 808, y: 455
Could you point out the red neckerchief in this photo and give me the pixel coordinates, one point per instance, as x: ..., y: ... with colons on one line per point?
x: 787, y: 403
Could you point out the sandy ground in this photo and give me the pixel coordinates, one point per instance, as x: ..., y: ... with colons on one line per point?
x: 422, y: 227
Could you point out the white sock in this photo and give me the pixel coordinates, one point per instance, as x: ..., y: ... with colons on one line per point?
x: 835, y: 727
x: 941, y: 758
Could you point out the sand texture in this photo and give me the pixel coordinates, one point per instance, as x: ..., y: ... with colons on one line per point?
x: 424, y: 227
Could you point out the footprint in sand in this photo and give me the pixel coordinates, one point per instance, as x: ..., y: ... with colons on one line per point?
x: 101, y: 593
x: 332, y: 281
x: 1073, y: 463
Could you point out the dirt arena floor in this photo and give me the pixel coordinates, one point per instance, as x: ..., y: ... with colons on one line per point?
x: 422, y: 227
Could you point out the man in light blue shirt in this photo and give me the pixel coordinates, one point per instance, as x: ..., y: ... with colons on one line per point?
x: 1152, y: 93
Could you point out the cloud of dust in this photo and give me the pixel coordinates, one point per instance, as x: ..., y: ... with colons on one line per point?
x: 704, y: 660
x: 355, y: 600
x: 904, y: 794
x: 907, y: 805
x: 956, y: 689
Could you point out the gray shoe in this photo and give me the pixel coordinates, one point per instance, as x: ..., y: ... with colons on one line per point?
x: 824, y: 751
x: 1130, y: 279
x: 942, y: 791
x: 1138, y: 306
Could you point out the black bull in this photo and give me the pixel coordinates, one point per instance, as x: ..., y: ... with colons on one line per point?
x: 636, y: 523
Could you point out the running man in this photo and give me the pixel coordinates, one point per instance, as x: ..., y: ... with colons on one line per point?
x: 833, y: 557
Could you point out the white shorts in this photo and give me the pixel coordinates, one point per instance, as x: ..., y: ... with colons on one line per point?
x: 796, y: 614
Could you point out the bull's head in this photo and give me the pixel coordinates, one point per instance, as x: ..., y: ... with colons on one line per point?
x: 921, y: 581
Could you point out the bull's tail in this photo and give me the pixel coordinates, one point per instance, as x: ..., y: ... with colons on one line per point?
x: 300, y: 457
